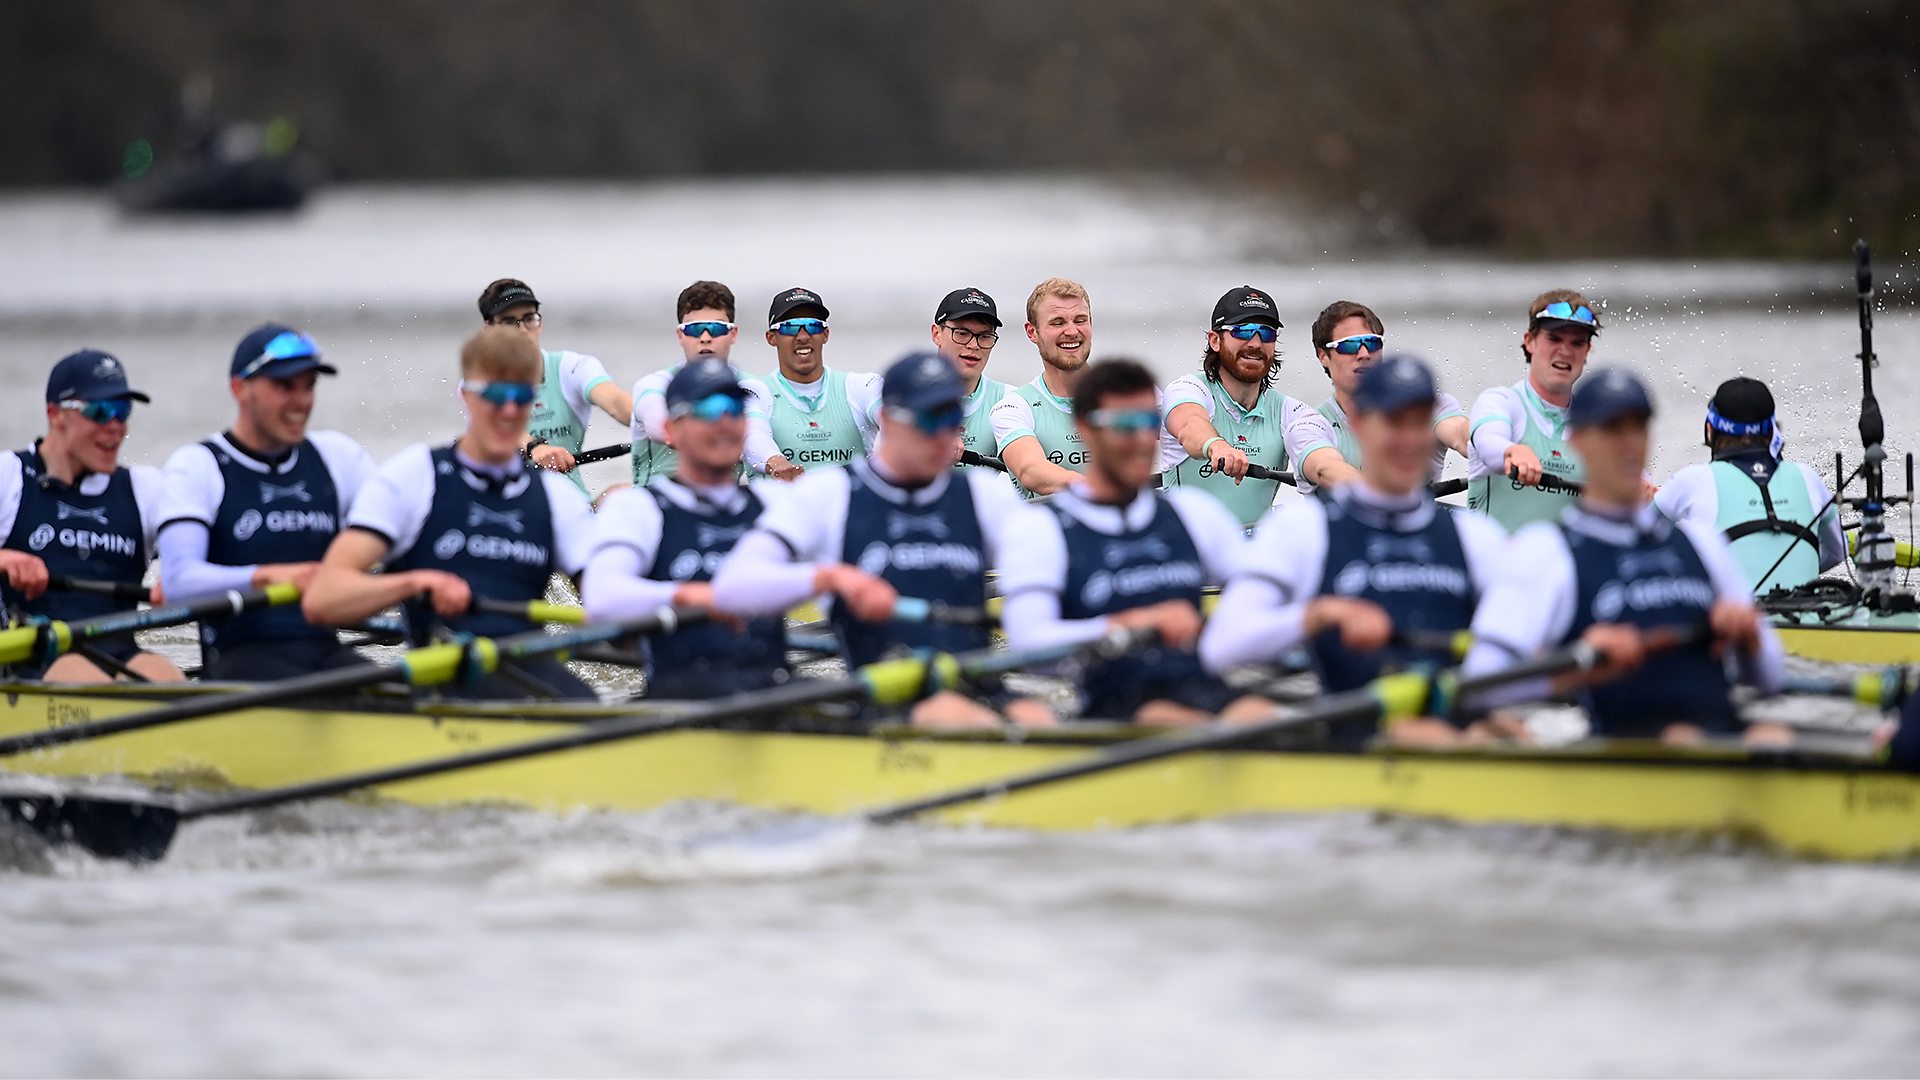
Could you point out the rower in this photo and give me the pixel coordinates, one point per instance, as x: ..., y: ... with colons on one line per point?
x: 1347, y: 339
x: 465, y: 520
x: 572, y: 384
x: 1523, y: 427
x: 1033, y: 424
x: 1111, y: 552
x: 966, y: 327
x: 1227, y: 415
x: 1374, y: 576
x: 659, y: 545
x: 1778, y: 515
x: 819, y: 416
x: 69, y: 508
x: 257, y: 505
x: 1613, y: 568
x: 900, y: 522
x: 706, y: 329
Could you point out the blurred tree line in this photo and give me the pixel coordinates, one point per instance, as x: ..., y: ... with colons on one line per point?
x: 1705, y: 127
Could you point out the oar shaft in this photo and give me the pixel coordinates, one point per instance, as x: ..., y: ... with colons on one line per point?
x: 973, y: 457
x: 604, y: 453
x: 125, y: 592
x: 1549, y: 483
x: 1438, y: 489
x: 22, y: 643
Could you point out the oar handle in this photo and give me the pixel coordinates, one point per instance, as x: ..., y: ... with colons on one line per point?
x: 540, y: 611
x: 1438, y: 489
x: 604, y: 453
x: 973, y: 457
x: 912, y: 609
x: 46, y: 641
x: 1261, y: 472
x: 124, y: 591
x: 1549, y: 483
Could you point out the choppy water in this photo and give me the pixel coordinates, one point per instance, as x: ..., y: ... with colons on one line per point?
x: 350, y: 940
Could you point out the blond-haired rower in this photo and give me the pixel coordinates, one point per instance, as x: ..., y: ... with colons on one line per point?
x: 1033, y: 424
x: 466, y: 519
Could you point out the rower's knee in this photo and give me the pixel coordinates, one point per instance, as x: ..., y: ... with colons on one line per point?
x: 75, y: 669
x: 1422, y: 731
x: 1682, y: 735
x: 1163, y: 713
x: 1770, y: 736
x: 1031, y: 712
x: 154, y: 668
x: 947, y: 709
x: 1249, y: 709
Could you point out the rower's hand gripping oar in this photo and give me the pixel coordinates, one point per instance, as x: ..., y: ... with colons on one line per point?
x: 974, y: 457
x: 1548, y: 483
x: 1439, y: 489
x: 43, y: 642
x: 431, y: 665
x: 129, y: 829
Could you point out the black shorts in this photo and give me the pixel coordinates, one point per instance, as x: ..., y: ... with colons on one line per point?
x: 551, y: 675
x: 271, y: 661
x: 1121, y: 701
x: 707, y: 683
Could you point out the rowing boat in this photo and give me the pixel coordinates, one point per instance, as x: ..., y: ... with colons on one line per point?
x: 1865, y: 637
x: 1801, y: 804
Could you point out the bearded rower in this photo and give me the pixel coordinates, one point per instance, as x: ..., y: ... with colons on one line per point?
x: 660, y: 545
x: 705, y: 330
x: 1613, y: 568
x: 1111, y: 552
x: 1524, y: 426
x: 966, y: 327
x: 1033, y: 424
x: 1371, y: 576
x: 819, y: 416
x: 466, y: 520
x: 69, y: 508
x: 571, y: 384
x: 1347, y: 339
x: 1778, y: 515
x: 1228, y: 416
x: 257, y: 505
x: 901, y: 522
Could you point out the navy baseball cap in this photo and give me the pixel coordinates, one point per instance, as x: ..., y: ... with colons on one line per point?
x: 702, y: 379
x: 1606, y: 395
x: 517, y: 292
x: 1245, y: 304
x: 967, y: 304
x: 278, y: 351
x: 90, y: 375
x: 1394, y: 383
x: 792, y: 300
x: 921, y: 381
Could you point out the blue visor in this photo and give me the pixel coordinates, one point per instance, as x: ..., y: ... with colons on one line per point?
x: 291, y: 345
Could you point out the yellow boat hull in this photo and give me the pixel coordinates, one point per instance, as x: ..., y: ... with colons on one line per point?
x: 1841, y: 644
x: 1835, y: 809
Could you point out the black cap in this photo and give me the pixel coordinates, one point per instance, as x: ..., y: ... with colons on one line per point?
x: 793, y: 299
x: 1606, y: 395
x: 1245, y: 304
x: 277, y: 350
x: 508, y: 297
x: 922, y: 380
x: 1744, y: 401
x: 967, y: 304
x: 703, y: 378
x: 1393, y: 383
x: 90, y: 375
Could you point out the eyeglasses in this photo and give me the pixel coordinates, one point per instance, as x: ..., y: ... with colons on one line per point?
x: 706, y: 329
x: 1249, y: 331
x: 500, y: 395
x: 721, y: 406
x: 963, y: 336
x: 1560, y: 309
x: 102, y: 412
x: 929, y: 421
x: 530, y: 319
x: 1126, y: 421
x: 796, y: 327
x: 1353, y: 343
x: 291, y: 345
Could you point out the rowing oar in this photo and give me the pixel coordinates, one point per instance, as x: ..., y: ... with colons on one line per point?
x: 44, y: 642
x: 430, y: 665
x: 604, y: 453
x: 540, y: 611
x: 1385, y: 700
x: 125, y: 592
x: 906, y: 609
x: 1549, y: 483
x: 143, y: 830
x: 1883, y: 689
x: 971, y: 457
x: 1438, y: 489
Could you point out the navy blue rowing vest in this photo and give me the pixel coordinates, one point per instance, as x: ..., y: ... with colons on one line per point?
x: 1657, y: 581
x: 931, y: 548
x: 498, y: 536
x: 1417, y: 573
x: 1109, y: 574
x: 281, y: 517
x: 97, y: 537
x: 692, y: 546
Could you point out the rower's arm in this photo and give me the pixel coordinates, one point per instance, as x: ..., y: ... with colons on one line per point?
x: 1313, y: 449
x: 792, y: 552
x: 649, y: 409
x: 1190, y: 424
x: 1833, y: 542
x: 1263, y: 610
x: 612, y: 400
x: 190, y: 496
x: 1031, y: 582
x: 1326, y: 468
x: 1028, y: 463
x: 1452, y: 433
x: 626, y: 540
x: 345, y: 590
x: 1527, y: 608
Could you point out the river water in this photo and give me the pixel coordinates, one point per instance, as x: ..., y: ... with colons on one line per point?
x: 351, y: 940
